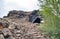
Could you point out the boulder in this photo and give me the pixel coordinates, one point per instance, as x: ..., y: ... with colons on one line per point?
x: 6, y: 32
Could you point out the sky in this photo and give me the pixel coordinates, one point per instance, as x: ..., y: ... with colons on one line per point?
x: 25, y: 5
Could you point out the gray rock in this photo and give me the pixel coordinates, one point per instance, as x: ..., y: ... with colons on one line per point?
x: 6, y: 31
x: 1, y: 36
x: 11, y: 26
x: 18, y: 26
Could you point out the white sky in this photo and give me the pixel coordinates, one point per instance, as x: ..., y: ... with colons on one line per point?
x: 25, y: 5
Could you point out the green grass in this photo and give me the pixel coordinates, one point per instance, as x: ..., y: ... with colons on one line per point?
x: 51, y: 24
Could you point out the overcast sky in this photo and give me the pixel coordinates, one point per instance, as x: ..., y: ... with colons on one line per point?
x: 25, y: 5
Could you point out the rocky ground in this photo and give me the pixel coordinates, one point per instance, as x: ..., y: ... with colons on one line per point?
x: 19, y: 28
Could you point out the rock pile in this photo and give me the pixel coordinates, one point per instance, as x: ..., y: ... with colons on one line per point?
x: 17, y: 26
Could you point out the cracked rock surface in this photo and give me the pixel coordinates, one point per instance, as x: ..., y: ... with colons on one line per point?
x: 12, y: 27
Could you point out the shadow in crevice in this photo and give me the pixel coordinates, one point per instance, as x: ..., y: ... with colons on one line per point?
x: 37, y: 20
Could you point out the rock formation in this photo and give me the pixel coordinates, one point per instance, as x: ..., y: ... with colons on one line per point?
x: 21, y: 25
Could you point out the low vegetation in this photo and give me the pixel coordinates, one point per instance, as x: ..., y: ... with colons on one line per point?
x: 50, y: 9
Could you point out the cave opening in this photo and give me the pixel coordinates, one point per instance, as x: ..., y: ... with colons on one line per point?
x: 37, y: 20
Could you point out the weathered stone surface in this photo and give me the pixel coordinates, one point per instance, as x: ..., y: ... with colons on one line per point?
x: 6, y: 31
x: 1, y: 36
x: 17, y: 26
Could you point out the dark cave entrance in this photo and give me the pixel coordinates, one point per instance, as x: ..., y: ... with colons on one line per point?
x: 37, y: 20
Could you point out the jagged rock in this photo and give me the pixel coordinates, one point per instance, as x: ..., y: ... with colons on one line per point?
x: 1, y: 36
x: 11, y: 26
x: 17, y: 25
x: 6, y: 32
x: 32, y: 16
x: 4, y: 23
